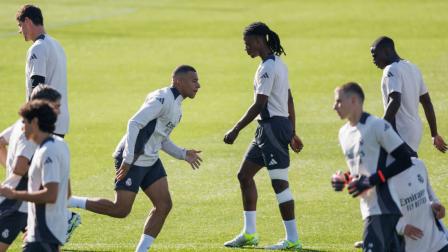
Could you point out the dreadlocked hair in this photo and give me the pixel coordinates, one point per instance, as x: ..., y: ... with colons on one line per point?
x: 262, y: 30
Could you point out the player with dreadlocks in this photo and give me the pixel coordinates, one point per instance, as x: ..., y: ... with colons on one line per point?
x: 273, y: 108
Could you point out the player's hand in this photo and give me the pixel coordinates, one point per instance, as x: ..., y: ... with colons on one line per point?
x: 3, y: 141
x: 358, y: 185
x: 193, y: 158
x: 7, y: 192
x: 122, y: 171
x: 339, y: 180
x: 413, y: 232
x: 438, y: 210
x: 230, y: 136
x: 439, y: 143
x: 296, y: 144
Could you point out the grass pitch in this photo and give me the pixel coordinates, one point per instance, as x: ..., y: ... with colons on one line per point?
x: 118, y: 51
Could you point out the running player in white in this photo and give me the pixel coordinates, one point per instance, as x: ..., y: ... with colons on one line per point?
x: 274, y: 109
x: 366, y: 140
x: 48, y: 180
x: 419, y: 205
x: 403, y: 89
x: 45, y: 61
x: 137, y: 156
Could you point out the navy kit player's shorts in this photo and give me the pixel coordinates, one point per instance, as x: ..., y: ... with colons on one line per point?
x: 380, y: 234
x: 11, y: 225
x: 270, y: 146
x: 139, y: 176
x: 40, y: 247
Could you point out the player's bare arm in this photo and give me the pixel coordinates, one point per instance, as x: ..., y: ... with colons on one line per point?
x: 48, y: 194
x: 438, y: 141
x: 296, y: 143
x: 252, y: 112
x: 392, y: 107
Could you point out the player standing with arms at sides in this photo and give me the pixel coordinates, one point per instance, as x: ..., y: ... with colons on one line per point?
x: 45, y: 61
x: 48, y: 180
x: 366, y: 141
x: 13, y: 213
x: 274, y: 109
x: 137, y: 156
x: 402, y: 89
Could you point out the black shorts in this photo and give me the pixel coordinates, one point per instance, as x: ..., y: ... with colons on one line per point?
x: 380, y: 234
x: 270, y: 146
x: 11, y: 226
x: 139, y: 176
x: 40, y: 247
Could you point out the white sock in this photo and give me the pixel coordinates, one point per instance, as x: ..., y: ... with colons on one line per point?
x: 250, y: 222
x: 145, y: 243
x: 78, y: 202
x: 291, y: 230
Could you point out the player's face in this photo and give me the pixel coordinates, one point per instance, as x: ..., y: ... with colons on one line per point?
x: 379, y: 57
x: 56, y: 106
x: 27, y: 129
x: 342, y: 104
x: 251, y: 45
x: 189, y: 84
x: 24, y: 29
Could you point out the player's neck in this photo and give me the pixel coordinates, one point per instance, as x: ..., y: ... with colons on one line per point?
x: 40, y: 137
x: 354, y: 117
x: 38, y: 31
x: 264, y: 54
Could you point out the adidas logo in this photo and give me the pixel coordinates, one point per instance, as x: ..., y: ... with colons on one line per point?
x: 265, y: 76
x: 33, y: 56
x: 390, y: 74
x: 48, y: 161
x: 161, y: 100
x: 272, y: 162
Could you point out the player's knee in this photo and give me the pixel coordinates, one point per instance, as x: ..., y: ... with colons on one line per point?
x: 279, y: 185
x: 284, y: 196
x: 121, y: 212
x: 164, y: 207
x: 244, y: 178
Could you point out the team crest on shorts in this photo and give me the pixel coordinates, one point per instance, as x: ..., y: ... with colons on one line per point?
x: 5, y: 233
x: 128, y: 182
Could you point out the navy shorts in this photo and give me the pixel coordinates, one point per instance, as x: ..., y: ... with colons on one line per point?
x: 11, y: 226
x: 270, y: 146
x: 380, y: 234
x: 40, y: 247
x: 139, y: 176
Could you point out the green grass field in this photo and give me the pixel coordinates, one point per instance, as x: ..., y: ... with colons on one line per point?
x: 118, y: 51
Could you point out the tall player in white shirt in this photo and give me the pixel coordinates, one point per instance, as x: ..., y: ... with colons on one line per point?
x: 366, y: 141
x: 48, y: 180
x: 403, y: 89
x: 274, y: 108
x: 45, y: 61
x: 137, y: 156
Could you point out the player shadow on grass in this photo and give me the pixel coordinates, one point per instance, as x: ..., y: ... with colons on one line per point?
x: 77, y: 250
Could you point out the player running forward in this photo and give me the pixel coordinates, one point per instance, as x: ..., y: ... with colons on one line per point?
x: 366, y: 140
x: 137, y: 156
x: 274, y: 109
x: 419, y: 205
x: 13, y: 215
x: 47, y: 180
x: 45, y: 61
x: 403, y: 88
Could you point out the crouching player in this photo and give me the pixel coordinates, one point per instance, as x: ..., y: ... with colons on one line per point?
x: 421, y: 210
x: 47, y: 180
x: 366, y: 140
